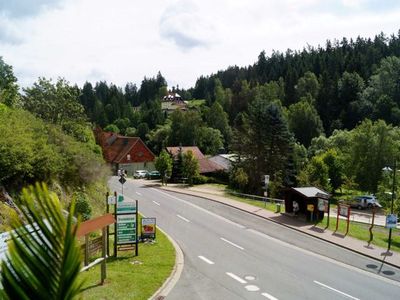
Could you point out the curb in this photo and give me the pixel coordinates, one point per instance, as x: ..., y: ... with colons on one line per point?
x: 290, y: 227
x: 173, y: 278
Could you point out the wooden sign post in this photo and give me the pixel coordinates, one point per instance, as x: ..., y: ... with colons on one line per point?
x: 85, y: 229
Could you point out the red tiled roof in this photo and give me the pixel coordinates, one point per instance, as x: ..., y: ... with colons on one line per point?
x: 208, y: 166
x: 205, y: 165
x: 116, y: 147
x: 195, y: 150
x: 120, y: 148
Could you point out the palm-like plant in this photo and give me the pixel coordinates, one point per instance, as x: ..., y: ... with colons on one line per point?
x: 44, y: 258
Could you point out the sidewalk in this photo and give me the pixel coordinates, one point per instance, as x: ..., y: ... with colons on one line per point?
x: 347, y: 242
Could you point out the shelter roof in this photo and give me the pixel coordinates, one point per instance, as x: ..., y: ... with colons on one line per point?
x: 311, y: 192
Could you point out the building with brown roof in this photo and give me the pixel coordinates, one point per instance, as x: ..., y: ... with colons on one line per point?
x: 205, y: 165
x: 171, y: 102
x: 123, y: 152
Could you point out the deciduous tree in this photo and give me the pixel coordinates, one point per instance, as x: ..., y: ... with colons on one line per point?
x: 304, y: 122
x: 190, y: 166
x: 8, y: 85
x: 163, y: 165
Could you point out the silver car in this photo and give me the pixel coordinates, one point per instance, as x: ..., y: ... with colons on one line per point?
x: 140, y: 174
x: 366, y: 201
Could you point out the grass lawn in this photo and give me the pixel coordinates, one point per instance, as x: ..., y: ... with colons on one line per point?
x: 361, y: 231
x: 132, y: 277
x: 196, y: 103
x: 356, y: 230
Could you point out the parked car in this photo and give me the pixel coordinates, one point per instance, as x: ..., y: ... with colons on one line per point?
x: 140, y: 174
x: 366, y: 201
x: 153, y: 175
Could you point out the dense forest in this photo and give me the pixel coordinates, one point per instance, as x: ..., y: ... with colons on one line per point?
x: 325, y: 116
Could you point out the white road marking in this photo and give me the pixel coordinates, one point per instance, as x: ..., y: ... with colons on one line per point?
x: 206, y: 260
x: 139, y: 193
x: 249, y: 277
x: 325, y: 258
x: 270, y: 297
x: 335, y: 290
x: 202, y: 209
x: 156, y: 203
x: 252, y: 288
x: 237, y: 278
x: 231, y: 243
x: 183, y: 218
x: 376, y: 276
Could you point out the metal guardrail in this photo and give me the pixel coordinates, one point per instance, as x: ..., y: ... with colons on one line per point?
x: 258, y: 198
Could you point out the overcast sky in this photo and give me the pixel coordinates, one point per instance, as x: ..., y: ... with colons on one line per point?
x: 123, y: 41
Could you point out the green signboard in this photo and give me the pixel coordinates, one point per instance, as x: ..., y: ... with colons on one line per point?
x: 126, y: 207
x: 126, y: 229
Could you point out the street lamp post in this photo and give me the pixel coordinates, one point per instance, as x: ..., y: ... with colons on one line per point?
x: 392, y: 203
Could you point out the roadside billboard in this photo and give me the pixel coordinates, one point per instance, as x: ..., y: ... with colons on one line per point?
x: 149, y: 228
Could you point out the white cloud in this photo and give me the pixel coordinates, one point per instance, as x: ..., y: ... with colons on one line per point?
x: 125, y: 40
x: 23, y: 8
x: 352, y: 3
x: 185, y: 24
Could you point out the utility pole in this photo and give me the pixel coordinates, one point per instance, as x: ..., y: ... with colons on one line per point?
x: 392, y: 203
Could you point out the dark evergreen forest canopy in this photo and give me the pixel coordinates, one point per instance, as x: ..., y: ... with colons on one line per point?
x: 326, y: 116
x: 342, y: 81
x: 343, y: 69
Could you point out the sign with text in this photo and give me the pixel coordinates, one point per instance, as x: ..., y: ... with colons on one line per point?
x: 6, y: 236
x: 323, y: 205
x: 126, y: 229
x: 391, y: 221
x: 111, y: 200
x: 126, y: 207
x: 344, y: 210
x: 310, y: 207
x: 148, y: 227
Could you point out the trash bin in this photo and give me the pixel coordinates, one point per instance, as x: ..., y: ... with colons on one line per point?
x: 278, y: 208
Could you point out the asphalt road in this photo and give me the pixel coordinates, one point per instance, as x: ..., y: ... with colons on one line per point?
x: 234, y: 255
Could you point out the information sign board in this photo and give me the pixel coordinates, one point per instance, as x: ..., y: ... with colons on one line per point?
x: 344, y: 210
x: 126, y: 229
x: 111, y: 200
x: 126, y: 207
x: 310, y: 207
x: 322, y: 205
x: 266, y: 180
x: 391, y: 221
x: 148, y: 227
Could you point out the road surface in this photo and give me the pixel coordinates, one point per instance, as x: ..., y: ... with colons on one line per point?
x: 234, y: 255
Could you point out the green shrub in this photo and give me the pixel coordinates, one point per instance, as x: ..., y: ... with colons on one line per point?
x: 82, y: 206
x: 200, y: 179
x: 238, y: 179
x: 7, y: 217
